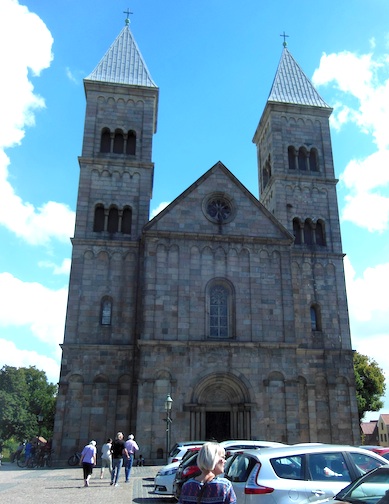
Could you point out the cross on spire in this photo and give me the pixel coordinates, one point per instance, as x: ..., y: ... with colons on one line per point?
x: 285, y: 36
x: 127, y: 12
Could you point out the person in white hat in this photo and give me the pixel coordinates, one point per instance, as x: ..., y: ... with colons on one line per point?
x: 88, y: 461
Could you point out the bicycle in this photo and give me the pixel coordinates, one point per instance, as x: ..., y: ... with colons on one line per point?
x: 74, y: 459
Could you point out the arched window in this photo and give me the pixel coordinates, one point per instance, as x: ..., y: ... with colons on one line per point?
x: 105, y: 143
x: 315, y: 317
x: 131, y: 143
x: 106, y: 311
x: 118, y: 142
x: 302, y: 159
x: 297, y: 231
x: 220, y: 309
x: 113, y: 220
x: 313, y: 160
x: 291, y: 157
x: 319, y: 233
x: 308, y: 232
x: 126, y: 220
x: 98, y: 223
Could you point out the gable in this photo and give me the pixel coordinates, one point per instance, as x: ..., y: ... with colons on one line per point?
x: 218, y: 204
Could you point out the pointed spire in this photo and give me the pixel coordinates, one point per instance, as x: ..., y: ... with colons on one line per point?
x: 291, y: 85
x: 123, y: 63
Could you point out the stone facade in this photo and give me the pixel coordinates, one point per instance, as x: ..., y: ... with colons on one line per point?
x: 236, y: 308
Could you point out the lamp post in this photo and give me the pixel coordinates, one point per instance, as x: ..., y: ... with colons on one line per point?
x: 39, y: 418
x: 168, y: 408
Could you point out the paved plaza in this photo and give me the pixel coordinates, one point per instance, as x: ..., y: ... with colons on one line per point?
x: 66, y: 486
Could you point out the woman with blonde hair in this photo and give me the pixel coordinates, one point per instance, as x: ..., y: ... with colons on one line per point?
x: 210, y: 486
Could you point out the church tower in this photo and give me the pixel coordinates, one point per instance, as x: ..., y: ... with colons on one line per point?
x: 297, y: 185
x: 115, y: 186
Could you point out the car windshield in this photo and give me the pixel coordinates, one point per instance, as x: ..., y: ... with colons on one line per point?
x: 372, y: 489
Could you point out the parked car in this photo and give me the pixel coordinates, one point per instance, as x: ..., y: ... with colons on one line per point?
x: 163, y: 481
x: 381, y: 450
x: 297, y: 474
x: 189, y: 469
x: 179, y: 450
x: 370, y: 488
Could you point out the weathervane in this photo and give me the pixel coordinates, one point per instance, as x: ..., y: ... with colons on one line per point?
x: 284, y: 35
x: 127, y: 12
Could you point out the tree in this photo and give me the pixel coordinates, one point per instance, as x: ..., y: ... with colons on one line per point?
x: 370, y: 384
x: 25, y: 393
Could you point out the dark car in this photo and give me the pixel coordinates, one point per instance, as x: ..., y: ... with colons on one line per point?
x: 186, y: 470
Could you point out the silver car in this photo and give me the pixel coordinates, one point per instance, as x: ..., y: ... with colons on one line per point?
x: 297, y: 474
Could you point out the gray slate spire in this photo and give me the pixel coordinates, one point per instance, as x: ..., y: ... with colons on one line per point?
x: 123, y: 63
x: 291, y: 85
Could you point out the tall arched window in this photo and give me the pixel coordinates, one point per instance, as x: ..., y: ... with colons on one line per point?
x: 319, y: 233
x: 118, y: 142
x: 106, y: 311
x: 315, y: 317
x: 308, y: 232
x: 126, y: 220
x: 297, y: 231
x: 105, y: 143
x: 220, y: 309
x: 113, y: 220
x: 98, y: 223
x: 131, y: 143
x: 302, y: 159
x: 313, y: 160
x: 291, y: 157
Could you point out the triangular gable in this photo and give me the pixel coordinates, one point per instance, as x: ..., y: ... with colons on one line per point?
x: 188, y: 214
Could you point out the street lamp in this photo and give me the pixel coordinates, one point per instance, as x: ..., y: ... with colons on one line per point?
x: 39, y: 418
x: 168, y: 408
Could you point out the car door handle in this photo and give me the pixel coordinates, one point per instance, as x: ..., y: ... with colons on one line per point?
x: 318, y: 492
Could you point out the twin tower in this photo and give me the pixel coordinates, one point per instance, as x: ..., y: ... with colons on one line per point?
x: 235, y: 307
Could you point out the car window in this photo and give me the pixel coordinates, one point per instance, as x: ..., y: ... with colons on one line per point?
x: 240, y: 468
x: 288, y: 467
x: 364, y: 463
x: 328, y: 467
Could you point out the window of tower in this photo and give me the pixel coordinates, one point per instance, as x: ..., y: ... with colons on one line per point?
x: 113, y: 220
x: 319, y: 233
x: 126, y: 220
x: 315, y: 317
x: 291, y: 157
x: 313, y: 160
x: 220, y: 309
x: 118, y: 142
x: 105, y: 143
x: 302, y: 159
x: 131, y: 143
x: 308, y: 232
x: 106, y: 311
x: 297, y: 231
x: 98, y: 223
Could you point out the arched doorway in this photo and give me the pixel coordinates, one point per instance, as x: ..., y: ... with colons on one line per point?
x: 220, y: 408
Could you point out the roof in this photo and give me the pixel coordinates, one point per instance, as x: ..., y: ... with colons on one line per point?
x: 385, y: 418
x: 369, y: 427
x: 123, y: 63
x: 291, y: 85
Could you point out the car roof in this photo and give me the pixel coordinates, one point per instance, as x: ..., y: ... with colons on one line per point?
x: 233, y: 442
x: 306, y: 449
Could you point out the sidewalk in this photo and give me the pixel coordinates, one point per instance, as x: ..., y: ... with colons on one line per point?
x: 66, y: 486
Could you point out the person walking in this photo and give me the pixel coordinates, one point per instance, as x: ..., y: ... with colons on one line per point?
x: 131, y: 447
x: 106, y: 457
x: 209, y: 486
x: 88, y: 461
x: 118, y: 453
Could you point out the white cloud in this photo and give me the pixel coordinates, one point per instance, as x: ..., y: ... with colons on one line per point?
x: 32, y: 305
x: 10, y: 355
x: 159, y: 208
x: 62, y: 269
x: 364, y: 89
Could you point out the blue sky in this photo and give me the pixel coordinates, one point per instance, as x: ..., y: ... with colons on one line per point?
x: 214, y: 62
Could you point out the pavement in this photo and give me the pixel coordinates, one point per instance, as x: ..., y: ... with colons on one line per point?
x: 66, y: 486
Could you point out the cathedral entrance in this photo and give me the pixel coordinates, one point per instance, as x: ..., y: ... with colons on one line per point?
x: 218, y: 425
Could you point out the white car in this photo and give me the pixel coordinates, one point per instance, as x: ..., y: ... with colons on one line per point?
x: 163, y: 481
x: 234, y: 445
x: 179, y: 450
x: 296, y: 474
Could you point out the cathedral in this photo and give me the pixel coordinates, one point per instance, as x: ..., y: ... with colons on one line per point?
x: 233, y: 307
